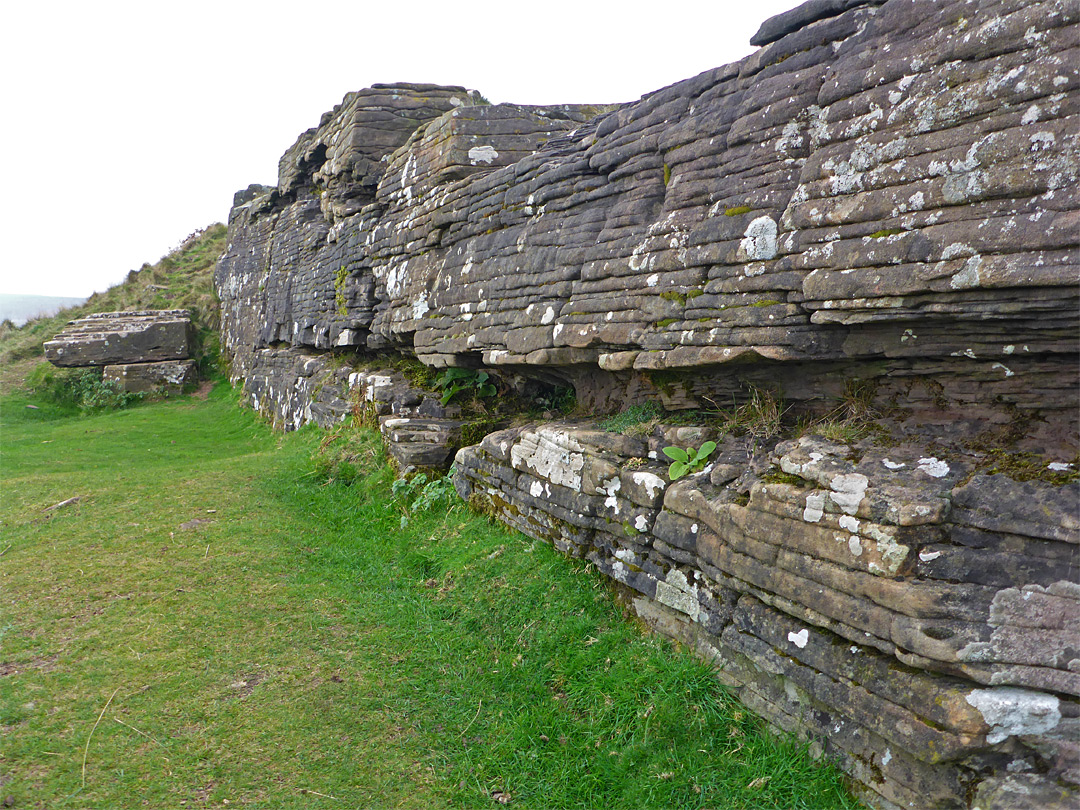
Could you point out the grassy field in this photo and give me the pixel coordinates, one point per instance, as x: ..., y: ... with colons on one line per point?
x: 220, y: 619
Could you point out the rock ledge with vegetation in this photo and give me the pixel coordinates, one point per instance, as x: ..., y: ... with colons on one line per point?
x: 869, y: 228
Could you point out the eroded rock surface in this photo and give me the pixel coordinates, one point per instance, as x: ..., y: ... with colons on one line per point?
x: 109, y: 338
x: 837, y: 588
x: 167, y: 375
x: 880, y: 203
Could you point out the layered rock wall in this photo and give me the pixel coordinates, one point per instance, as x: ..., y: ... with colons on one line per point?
x: 918, y: 619
x: 881, y: 201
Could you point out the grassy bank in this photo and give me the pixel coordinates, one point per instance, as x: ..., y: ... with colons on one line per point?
x: 219, y: 619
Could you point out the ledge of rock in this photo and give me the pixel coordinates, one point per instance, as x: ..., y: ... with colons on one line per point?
x: 112, y: 338
x: 877, y: 205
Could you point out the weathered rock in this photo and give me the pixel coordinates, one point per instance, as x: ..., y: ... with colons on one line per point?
x: 875, y: 212
x: 168, y: 375
x: 822, y: 601
x: 112, y: 338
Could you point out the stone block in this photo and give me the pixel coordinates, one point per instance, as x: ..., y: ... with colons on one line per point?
x: 116, y: 338
x: 138, y: 378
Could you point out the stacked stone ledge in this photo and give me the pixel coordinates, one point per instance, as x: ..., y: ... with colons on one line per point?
x: 140, y: 350
x: 886, y: 603
x: 881, y: 199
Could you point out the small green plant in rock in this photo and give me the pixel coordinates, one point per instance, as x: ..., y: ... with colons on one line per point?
x: 560, y: 400
x: 760, y: 416
x: 637, y: 420
x: 455, y: 380
x: 687, y: 461
x: 340, y: 303
x: 80, y: 388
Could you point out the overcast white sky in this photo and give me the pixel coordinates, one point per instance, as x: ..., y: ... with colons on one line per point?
x: 128, y: 125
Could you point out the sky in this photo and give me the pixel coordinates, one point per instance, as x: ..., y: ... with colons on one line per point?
x: 129, y: 125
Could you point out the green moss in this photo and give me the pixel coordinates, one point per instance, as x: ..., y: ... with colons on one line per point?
x: 665, y: 381
x: 339, y: 291
x: 884, y: 233
x: 778, y: 476
x: 667, y: 174
x: 672, y: 295
x: 666, y: 322
x: 694, y: 293
x: 739, y: 209
x: 768, y: 302
x: 1022, y: 466
x: 637, y: 420
x: 474, y: 432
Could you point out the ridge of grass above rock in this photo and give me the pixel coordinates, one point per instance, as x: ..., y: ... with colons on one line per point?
x: 220, y: 617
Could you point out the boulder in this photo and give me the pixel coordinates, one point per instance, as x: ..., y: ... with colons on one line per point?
x: 117, y: 338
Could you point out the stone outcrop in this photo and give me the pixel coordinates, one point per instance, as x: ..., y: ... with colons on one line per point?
x: 140, y: 351
x: 878, y: 204
x: 141, y: 378
x: 889, y: 603
x: 108, y: 338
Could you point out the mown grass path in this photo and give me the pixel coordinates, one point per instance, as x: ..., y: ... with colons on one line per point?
x: 214, y: 623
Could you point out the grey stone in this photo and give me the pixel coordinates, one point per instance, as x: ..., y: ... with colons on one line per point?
x: 113, y: 338
x: 168, y: 375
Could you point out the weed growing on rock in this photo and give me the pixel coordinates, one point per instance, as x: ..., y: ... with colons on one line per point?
x: 81, y: 388
x: 760, y: 417
x: 687, y: 461
x: 637, y: 420
x: 420, y: 494
x: 456, y: 380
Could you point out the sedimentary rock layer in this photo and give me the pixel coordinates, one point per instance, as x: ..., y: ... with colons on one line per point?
x: 919, y: 620
x: 167, y: 375
x: 879, y: 204
x: 110, y: 338
x: 884, y: 191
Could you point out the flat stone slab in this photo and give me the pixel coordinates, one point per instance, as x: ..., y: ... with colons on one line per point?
x: 111, y: 338
x: 167, y: 375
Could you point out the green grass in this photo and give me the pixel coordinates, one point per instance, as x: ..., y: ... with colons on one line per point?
x: 299, y: 644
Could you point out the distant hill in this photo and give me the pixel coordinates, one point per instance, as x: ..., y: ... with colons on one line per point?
x: 20, y: 308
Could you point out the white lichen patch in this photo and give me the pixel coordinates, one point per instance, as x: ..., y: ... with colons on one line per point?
x: 550, y: 454
x: 815, y: 507
x: 1012, y: 712
x: 652, y: 483
x: 848, y: 491
x: 759, y: 240
x: 891, y: 553
x: 849, y: 523
x: 641, y: 524
x: 536, y: 489
x: 1059, y: 466
x: 1008, y: 371
x: 969, y: 276
x: 893, y: 465
x: 482, y: 154
x: 609, y: 488
x: 548, y: 316
x: 927, y: 556
x: 799, y: 639
x: 934, y: 467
